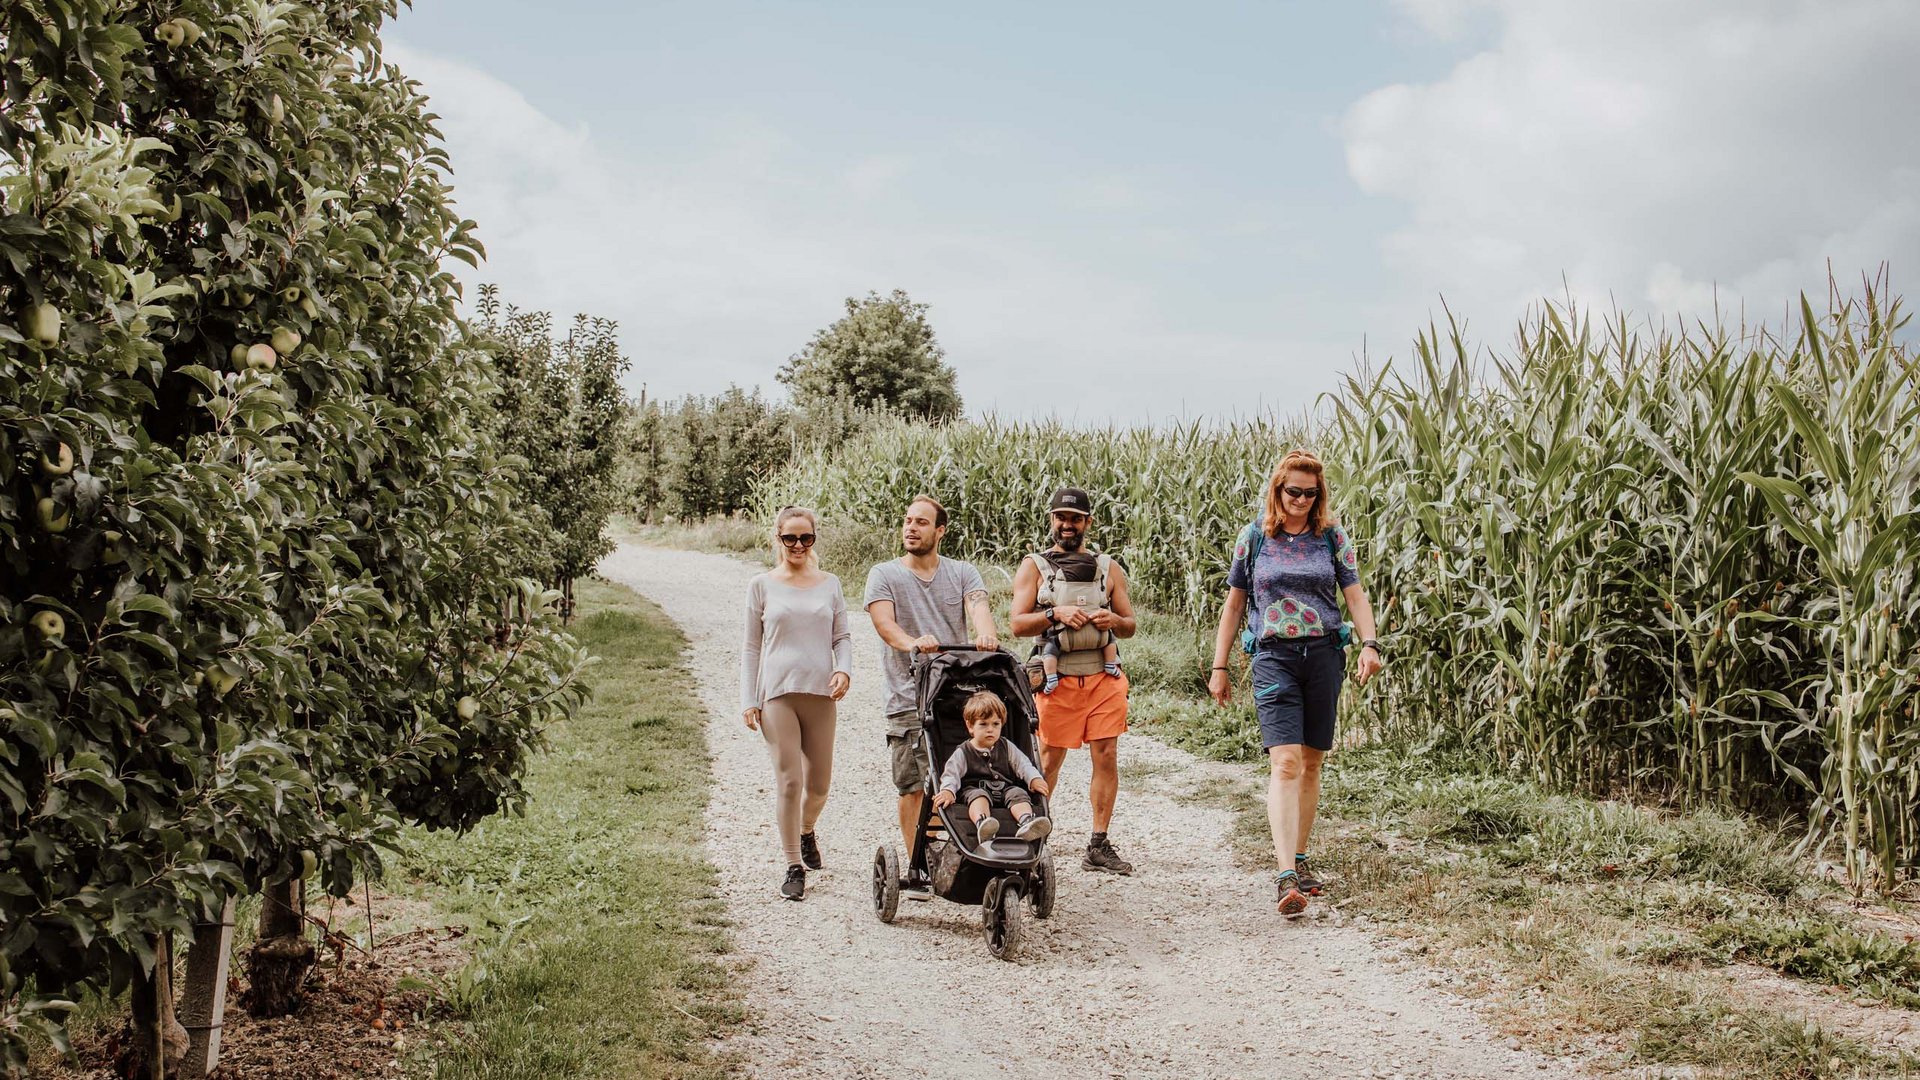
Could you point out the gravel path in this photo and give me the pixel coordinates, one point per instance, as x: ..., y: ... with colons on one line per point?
x: 1182, y: 970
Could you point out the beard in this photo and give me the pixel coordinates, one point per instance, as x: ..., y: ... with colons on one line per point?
x: 926, y: 545
x: 1069, y: 540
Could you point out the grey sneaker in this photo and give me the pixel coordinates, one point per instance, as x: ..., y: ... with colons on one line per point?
x: 988, y: 827
x: 1034, y: 828
x: 1101, y: 856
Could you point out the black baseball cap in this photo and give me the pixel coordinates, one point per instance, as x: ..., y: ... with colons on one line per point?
x: 1071, y: 499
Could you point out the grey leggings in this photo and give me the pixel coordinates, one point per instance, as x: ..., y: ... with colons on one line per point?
x: 799, y: 733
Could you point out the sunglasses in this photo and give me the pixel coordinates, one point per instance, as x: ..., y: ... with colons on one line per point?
x: 1299, y: 492
x: 804, y: 540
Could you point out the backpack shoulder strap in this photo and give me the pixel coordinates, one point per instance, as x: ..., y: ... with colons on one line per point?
x: 1256, y: 539
x: 1048, y: 573
x: 1103, y: 565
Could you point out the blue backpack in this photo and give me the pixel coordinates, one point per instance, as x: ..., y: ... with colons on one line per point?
x: 1256, y: 539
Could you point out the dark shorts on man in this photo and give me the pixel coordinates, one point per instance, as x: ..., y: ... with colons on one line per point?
x: 1296, y: 690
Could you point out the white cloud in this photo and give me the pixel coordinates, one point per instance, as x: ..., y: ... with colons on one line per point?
x: 721, y: 262
x: 1651, y: 152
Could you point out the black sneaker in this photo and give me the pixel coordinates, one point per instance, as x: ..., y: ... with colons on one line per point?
x: 795, y: 887
x: 1101, y: 856
x: 1309, y: 884
x: 810, y: 851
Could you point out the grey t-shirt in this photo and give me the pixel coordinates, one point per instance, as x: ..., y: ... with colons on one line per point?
x: 922, y: 608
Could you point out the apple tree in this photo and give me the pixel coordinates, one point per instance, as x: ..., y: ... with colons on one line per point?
x: 258, y: 535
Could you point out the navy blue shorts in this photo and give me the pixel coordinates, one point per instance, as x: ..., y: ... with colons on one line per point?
x: 1296, y: 689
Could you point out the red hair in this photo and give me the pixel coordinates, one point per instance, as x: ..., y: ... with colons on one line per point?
x: 1319, y: 516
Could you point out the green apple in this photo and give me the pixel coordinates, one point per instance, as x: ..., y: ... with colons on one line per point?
x: 49, y: 624
x: 468, y: 708
x: 110, y: 547
x: 52, y: 517
x: 237, y: 356
x: 311, y: 309
x: 276, y: 112
x: 291, y: 294
x: 309, y: 864
x: 43, y: 323
x: 60, y: 464
x: 285, y: 340
x: 261, y: 358
x: 191, y: 29
x: 194, y: 680
x: 221, y: 682
x: 171, y: 33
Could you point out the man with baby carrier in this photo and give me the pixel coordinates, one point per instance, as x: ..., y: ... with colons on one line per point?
x: 1077, y: 600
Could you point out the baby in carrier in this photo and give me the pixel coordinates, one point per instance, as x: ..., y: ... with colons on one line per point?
x: 987, y: 771
x: 1050, y: 651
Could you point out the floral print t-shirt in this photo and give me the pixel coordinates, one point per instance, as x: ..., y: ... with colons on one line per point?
x: 1294, y: 592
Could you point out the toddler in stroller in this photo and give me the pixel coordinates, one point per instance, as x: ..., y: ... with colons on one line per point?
x: 986, y: 771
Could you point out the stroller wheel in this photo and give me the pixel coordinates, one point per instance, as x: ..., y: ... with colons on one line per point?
x: 886, y: 882
x: 1001, y: 917
x: 1045, y: 884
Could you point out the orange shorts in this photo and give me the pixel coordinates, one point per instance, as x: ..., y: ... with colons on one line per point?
x: 1083, y: 709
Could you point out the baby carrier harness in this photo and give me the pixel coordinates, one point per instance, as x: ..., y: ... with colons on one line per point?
x: 1079, y: 648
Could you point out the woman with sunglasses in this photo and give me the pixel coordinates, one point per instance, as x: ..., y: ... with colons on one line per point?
x: 1298, y: 565
x: 797, y: 661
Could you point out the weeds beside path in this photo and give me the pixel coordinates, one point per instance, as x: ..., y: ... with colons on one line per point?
x: 600, y: 938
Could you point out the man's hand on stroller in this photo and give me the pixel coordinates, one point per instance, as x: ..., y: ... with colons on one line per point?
x: 926, y: 643
x: 987, y: 640
x: 942, y: 799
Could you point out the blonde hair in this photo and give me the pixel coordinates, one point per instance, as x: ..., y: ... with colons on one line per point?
x: 981, y: 706
x: 786, y: 514
x: 1320, y: 515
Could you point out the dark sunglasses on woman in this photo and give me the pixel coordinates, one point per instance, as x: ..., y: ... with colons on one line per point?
x: 804, y: 540
x: 1299, y: 492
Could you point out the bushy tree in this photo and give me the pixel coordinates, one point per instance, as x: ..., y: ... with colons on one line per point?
x: 880, y: 356
x: 702, y: 456
x: 256, y: 537
x: 561, y: 410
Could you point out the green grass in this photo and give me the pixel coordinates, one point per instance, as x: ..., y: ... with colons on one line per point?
x: 602, y: 939
x: 1589, y: 917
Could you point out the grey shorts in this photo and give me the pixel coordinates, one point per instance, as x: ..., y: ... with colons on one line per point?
x: 999, y: 794
x: 905, y: 739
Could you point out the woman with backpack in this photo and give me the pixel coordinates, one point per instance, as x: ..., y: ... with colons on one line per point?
x: 1297, y: 564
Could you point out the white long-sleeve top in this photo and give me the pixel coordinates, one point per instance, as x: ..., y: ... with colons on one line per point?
x: 796, y: 638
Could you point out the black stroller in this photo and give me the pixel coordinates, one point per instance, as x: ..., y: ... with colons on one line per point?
x: 1001, y: 873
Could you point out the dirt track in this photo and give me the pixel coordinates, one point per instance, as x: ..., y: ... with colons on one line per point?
x: 1182, y: 970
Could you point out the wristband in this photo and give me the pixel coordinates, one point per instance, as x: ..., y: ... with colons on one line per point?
x: 1221, y: 667
x: 1370, y: 643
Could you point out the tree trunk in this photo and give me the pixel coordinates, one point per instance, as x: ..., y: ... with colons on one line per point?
x: 566, y: 602
x: 156, y: 1043
x: 203, y: 1004
x: 278, y: 964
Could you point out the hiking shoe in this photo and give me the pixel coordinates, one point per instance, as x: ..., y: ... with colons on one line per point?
x: 795, y: 887
x: 987, y: 827
x: 1290, y: 901
x: 810, y: 850
x: 1035, y: 827
x: 1101, y: 856
x: 1309, y: 884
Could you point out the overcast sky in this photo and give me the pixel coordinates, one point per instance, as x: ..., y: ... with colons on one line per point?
x: 1137, y: 211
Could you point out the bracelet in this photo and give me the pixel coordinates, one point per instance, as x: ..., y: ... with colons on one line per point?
x: 1221, y: 667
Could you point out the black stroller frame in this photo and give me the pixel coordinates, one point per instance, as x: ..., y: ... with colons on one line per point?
x: 1005, y: 871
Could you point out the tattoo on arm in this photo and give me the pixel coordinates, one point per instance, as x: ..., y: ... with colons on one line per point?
x: 977, y: 596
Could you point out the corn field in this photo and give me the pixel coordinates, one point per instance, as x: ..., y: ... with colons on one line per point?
x: 1678, y: 563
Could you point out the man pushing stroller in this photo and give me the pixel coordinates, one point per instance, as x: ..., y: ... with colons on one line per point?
x: 988, y: 771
